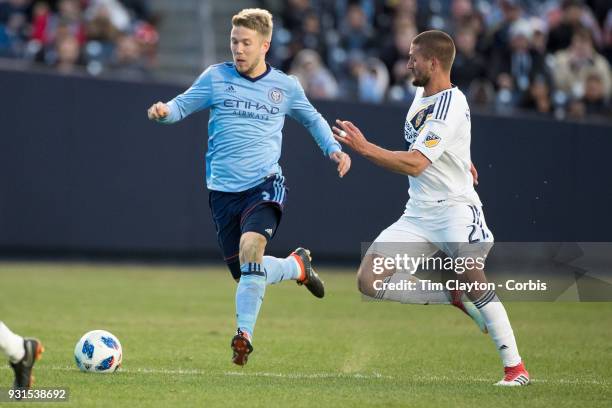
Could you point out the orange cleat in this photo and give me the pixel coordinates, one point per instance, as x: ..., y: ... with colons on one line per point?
x: 515, y: 376
x: 241, y: 346
x: 309, y: 277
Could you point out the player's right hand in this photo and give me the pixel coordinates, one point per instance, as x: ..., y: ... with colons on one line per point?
x: 350, y: 135
x: 158, y: 111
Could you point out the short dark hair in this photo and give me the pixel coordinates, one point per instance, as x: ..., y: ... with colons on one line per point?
x: 437, y: 44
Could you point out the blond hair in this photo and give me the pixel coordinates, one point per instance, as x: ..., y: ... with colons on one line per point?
x: 256, y: 19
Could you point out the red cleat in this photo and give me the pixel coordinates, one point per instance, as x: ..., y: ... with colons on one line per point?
x: 241, y: 346
x: 515, y: 376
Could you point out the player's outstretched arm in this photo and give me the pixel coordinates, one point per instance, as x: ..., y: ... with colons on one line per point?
x: 303, y: 111
x: 196, y: 98
x: 158, y: 111
x: 411, y: 163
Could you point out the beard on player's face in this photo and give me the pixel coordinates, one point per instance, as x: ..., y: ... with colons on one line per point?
x: 420, y: 78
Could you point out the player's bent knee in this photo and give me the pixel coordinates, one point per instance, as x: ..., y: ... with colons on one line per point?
x: 370, y: 275
x: 252, y: 246
x: 366, y: 277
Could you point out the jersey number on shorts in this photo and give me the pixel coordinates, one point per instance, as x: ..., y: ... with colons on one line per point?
x: 477, y: 224
x: 471, y: 238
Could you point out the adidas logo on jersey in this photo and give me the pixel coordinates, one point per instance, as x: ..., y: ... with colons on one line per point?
x: 230, y: 89
x: 269, y: 231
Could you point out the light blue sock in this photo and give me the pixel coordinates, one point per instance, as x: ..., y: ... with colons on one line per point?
x: 280, y: 269
x: 249, y: 295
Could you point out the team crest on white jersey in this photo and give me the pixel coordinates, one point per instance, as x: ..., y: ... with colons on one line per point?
x: 431, y: 140
x: 418, y: 120
x: 414, y: 125
x: 275, y: 95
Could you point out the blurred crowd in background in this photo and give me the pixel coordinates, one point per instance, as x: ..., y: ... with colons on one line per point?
x: 92, y: 36
x: 548, y: 57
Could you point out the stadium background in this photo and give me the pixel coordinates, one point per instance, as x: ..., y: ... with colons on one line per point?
x: 85, y: 176
x: 84, y: 172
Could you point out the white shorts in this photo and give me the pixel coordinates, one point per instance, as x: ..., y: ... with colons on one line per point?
x: 454, y: 228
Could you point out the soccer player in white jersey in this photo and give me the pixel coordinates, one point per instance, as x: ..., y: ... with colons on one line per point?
x: 248, y: 101
x: 444, y: 211
x: 22, y: 354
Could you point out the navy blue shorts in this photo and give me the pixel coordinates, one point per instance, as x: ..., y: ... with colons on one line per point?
x: 258, y: 209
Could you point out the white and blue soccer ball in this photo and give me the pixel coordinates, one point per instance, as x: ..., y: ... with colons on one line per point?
x: 98, y: 351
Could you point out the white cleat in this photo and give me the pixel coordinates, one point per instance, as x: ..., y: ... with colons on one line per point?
x: 515, y: 376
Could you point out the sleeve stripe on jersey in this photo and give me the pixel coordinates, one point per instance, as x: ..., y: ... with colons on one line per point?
x: 450, y: 95
x: 438, y: 104
x: 443, y: 105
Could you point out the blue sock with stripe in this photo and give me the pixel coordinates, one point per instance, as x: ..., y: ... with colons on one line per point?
x: 249, y: 295
x: 280, y: 269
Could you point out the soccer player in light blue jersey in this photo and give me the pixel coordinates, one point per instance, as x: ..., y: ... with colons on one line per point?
x: 248, y: 101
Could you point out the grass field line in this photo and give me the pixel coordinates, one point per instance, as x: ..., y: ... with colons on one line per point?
x: 561, y: 381
x: 311, y: 375
x: 233, y: 373
x: 323, y: 375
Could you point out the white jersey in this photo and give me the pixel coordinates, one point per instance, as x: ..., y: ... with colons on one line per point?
x: 439, y: 127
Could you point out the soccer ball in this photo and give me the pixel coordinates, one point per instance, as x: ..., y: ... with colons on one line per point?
x: 98, y: 351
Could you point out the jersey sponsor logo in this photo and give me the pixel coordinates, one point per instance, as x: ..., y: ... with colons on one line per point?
x: 431, y: 140
x: 269, y: 231
x: 410, y: 134
x: 275, y: 95
x: 251, y: 109
x: 230, y: 89
x: 250, y: 105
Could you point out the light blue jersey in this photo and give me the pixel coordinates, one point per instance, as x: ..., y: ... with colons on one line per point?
x: 246, y: 121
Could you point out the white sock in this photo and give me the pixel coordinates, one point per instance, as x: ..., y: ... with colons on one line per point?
x: 496, y: 318
x: 280, y: 269
x: 418, y: 295
x: 11, y: 344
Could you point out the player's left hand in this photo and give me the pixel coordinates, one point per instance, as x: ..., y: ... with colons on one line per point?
x: 343, y: 160
x: 350, y: 135
x: 474, y: 173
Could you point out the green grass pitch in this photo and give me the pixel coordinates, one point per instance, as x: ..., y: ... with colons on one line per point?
x: 175, y: 325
